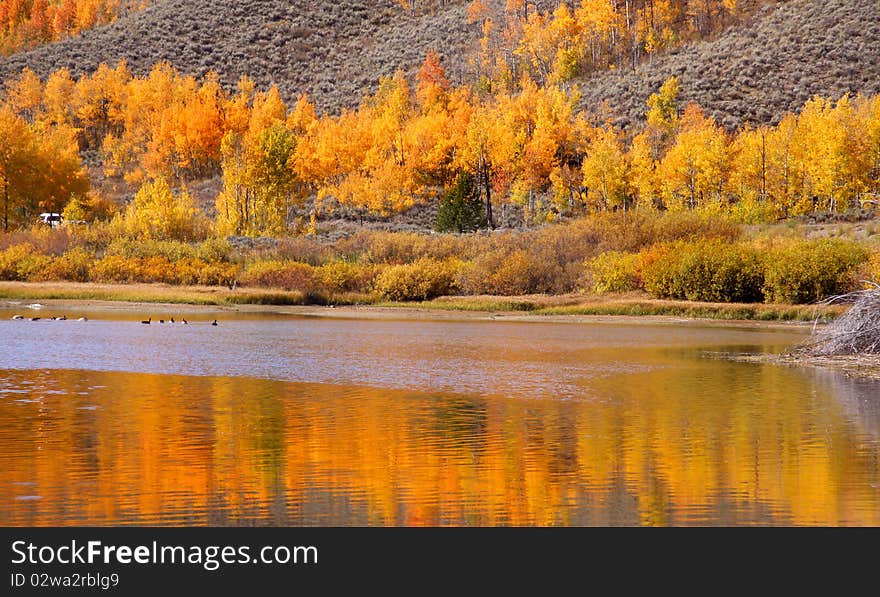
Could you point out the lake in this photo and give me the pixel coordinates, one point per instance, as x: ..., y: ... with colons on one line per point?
x: 290, y: 421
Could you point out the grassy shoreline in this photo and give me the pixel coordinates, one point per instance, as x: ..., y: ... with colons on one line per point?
x: 563, y: 307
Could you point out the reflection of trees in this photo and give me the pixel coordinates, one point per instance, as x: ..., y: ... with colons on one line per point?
x: 707, y: 442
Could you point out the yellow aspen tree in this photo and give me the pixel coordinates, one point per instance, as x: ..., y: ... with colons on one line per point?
x: 17, y: 152
x: 598, y: 21
x: 59, y: 99
x: 100, y: 103
x: 869, y: 116
x: 822, y: 132
x: 786, y: 152
x: 749, y: 174
x: 158, y: 213
x: 59, y: 170
x: 24, y: 94
x: 40, y: 168
x: 662, y: 117
x: 694, y: 170
x: 643, y: 172
x: 605, y: 170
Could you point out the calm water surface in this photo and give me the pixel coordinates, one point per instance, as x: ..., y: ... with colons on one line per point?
x: 294, y: 421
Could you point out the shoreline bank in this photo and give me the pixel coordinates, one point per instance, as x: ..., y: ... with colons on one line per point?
x: 157, y: 298
x: 121, y: 302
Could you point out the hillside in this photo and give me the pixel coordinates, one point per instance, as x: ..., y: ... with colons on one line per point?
x: 335, y: 52
x: 756, y: 72
x: 753, y: 72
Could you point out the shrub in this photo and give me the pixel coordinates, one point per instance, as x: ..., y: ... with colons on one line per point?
x: 344, y: 276
x: 97, y: 236
x: 44, y: 240
x: 751, y: 211
x: 158, y: 269
x: 418, y: 281
x: 635, y: 230
x: 288, y: 275
x: 871, y: 272
x: 114, y: 268
x: 508, y: 272
x: 20, y: 263
x: 73, y: 266
x: 146, y: 248
x: 305, y: 249
x: 217, y: 274
x: 615, y: 271
x: 516, y: 275
x: 215, y: 250
x: 711, y: 271
x: 808, y: 271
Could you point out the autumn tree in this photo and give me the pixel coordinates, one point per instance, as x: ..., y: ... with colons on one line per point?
x: 662, y: 117
x: 432, y: 83
x: 605, y: 170
x: 16, y: 154
x: 158, y: 213
x: 26, y: 24
x: 695, y: 169
x: 260, y: 181
x: 821, y: 127
x: 40, y: 168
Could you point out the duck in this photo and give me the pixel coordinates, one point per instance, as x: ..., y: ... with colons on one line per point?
x: 161, y: 321
x: 35, y: 319
x: 172, y: 320
x: 185, y: 322
x: 17, y: 318
x: 62, y: 318
x: 214, y: 323
x: 83, y: 319
x: 148, y: 321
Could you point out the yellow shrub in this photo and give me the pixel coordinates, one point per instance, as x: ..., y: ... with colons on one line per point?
x: 872, y: 270
x: 145, y: 248
x: 217, y: 274
x: 288, y: 275
x: 114, y: 268
x: 155, y: 270
x: 515, y: 275
x: 615, y: 271
x: 418, y: 281
x: 73, y: 266
x: 343, y: 276
x: 713, y: 271
x: 21, y: 263
x: 809, y: 271
x: 215, y: 250
x: 509, y: 273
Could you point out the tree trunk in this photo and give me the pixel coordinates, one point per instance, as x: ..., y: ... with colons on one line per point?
x: 487, y: 186
x: 5, y: 205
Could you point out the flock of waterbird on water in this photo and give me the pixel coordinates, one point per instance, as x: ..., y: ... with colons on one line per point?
x: 147, y: 321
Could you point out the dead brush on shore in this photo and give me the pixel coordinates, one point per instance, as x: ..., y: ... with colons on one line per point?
x: 855, y: 333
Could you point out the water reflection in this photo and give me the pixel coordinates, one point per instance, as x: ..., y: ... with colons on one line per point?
x: 681, y: 440
x: 533, y: 360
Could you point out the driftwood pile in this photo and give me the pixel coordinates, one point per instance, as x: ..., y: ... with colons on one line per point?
x: 855, y: 333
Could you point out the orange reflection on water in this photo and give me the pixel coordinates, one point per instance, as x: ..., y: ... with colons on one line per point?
x: 703, y: 442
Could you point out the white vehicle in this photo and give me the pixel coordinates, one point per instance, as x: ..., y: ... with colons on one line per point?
x: 51, y: 219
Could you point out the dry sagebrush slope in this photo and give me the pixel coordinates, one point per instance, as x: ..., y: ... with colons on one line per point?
x: 334, y: 51
x: 755, y: 72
